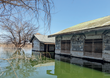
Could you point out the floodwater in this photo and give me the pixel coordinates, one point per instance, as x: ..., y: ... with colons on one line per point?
x: 28, y: 64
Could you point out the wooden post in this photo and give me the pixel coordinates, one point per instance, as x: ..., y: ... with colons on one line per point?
x: 93, y: 47
x: 47, y: 48
x: 84, y: 47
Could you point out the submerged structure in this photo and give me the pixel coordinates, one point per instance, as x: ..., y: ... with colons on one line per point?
x: 86, y: 40
x: 41, y: 43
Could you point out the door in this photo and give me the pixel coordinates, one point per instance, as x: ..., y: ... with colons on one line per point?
x: 65, y: 46
x: 93, y: 48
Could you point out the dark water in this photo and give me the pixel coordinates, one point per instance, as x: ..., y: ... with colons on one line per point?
x: 28, y: 64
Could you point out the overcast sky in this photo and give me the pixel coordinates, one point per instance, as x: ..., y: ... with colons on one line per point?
x: 68, y: 13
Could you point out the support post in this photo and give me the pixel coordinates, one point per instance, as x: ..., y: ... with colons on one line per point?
x: 47, y: 48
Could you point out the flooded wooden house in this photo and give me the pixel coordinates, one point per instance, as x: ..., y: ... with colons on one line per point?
x: 41, y: 43
x: 86, y: 40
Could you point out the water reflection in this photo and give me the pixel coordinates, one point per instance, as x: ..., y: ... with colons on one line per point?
x: 79, y: 68
x: 23, y: 64
x: 28, y: 64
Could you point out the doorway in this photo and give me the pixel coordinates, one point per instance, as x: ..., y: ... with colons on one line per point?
x: 65, y: 46
x: 93, y: 48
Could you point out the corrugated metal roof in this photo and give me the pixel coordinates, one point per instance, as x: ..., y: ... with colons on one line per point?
x: 45, y: 39
x: 97, y: 23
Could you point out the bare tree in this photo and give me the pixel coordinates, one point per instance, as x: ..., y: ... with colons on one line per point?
x: 17, y: 32
x: 34, y: 8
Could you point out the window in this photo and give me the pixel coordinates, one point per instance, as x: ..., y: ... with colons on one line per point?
x: 93, y: 45
x: 65, y: 45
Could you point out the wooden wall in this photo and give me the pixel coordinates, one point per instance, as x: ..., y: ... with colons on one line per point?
x: 58, y: 44
x: 41, y: 47
x: 93, y: 44
x: 51, y: 48
x: 77, y: 43
x: 106, y: 47
x: 35, y: 44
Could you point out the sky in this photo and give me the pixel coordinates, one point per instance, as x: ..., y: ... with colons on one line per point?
x: 67, y: 13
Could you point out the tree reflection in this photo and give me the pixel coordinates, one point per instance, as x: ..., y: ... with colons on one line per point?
x: 20, y: 66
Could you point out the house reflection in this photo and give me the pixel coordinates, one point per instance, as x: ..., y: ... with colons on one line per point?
x: 66, y: 67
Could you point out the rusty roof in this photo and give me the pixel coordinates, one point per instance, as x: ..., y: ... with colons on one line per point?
x: 97, y: 23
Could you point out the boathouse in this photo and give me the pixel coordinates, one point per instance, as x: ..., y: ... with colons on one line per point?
x: 41, y: 43
x: 86, y: 40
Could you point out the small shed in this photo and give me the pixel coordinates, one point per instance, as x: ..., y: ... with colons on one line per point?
x: 90, y: 39
x: 42, y: 43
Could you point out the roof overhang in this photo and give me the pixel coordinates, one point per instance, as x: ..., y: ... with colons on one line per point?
x: 49, y: 43
x: 107, y: 27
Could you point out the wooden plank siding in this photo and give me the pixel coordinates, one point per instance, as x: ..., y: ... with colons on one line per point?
x: 93, y: 48
x: 51, y: 48
x: 65, y: 46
